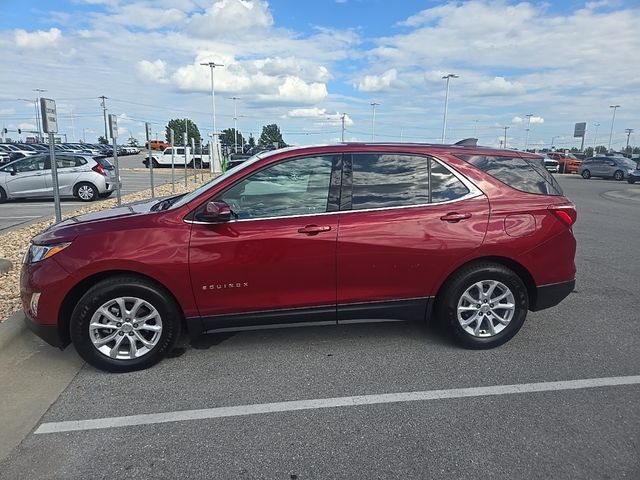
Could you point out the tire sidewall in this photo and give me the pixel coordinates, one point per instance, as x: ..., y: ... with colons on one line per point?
x: 462, y: 282
x: 105, y: 291
x: 618, y: 175
x: 586, y: 174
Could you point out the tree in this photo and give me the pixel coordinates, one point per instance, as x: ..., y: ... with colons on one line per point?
x: 133, y: 142
x: 103, y: 140
x: 601, y: 149
x: 227, y: 137
x: 271, y: 136
x: 252, y: 141
x: 178, y: 125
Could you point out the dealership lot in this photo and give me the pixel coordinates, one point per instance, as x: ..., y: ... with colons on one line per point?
x: 555, y: 432
x: 134, y: 179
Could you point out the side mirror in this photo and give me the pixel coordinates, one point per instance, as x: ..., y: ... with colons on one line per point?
x: 214, y: 212
x: 14, y: 170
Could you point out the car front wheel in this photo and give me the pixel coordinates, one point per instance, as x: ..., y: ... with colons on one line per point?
x: 484, y: 305
x: 586, y: 174
x: 619, y: 175
x: 124, y: 324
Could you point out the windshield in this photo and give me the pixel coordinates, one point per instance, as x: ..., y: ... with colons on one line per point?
x: 626, y: 162
x: 214, y: 181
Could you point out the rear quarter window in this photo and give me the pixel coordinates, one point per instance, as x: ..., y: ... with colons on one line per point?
x: 524, y: 174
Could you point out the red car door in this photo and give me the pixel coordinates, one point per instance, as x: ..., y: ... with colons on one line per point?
x: 278, y: 257
x: 398, y: 239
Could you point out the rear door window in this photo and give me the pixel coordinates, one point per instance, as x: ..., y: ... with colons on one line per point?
x: 386, y: 180
x: 106, y: 164
x: 526, y: 175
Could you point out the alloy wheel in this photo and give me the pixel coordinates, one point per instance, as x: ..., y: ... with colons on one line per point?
x: 486, y: 308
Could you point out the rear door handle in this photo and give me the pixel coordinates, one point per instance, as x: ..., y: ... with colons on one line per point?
x: 455, y: 217
x: 314, y: 229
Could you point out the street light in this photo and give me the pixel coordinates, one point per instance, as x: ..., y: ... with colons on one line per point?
x: 526, y: 141
x: 39, y: 91
x: 615, y: 107
x: 505, y: 136
x: 373, y: 122
x: 447, y: 77
x: 235, y: 123
x: 595, y: 136
x: 213, y: 65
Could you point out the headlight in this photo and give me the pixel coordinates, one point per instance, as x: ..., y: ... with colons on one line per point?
x: 37, y: 253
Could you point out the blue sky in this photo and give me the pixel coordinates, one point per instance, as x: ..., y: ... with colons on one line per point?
x: 303, y: 64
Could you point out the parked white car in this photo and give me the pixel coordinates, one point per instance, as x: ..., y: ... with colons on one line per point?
x: 84, y: 177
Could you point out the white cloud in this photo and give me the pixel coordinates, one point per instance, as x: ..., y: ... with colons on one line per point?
x: 37, y: 39
x: 155, y: 71
x: 313, y: 112
x: 7, y: 111
x: 378, y: 83
x: 26, y: 126
x: 520, y: 120
x: 499, y: 86
x: 232, y: 17
x: 296, y: 90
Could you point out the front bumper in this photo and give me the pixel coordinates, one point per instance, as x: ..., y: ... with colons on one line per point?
x: 548, y: 296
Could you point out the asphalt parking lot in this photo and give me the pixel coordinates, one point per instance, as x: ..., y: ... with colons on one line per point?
x: 426, y: 427
x: 134, y: 177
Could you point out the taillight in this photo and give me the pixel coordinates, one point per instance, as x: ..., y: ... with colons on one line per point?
x: 98, y: 168
x: 565, y: 212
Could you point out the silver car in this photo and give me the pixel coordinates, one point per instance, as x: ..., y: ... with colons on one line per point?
x: 81, y: 176
x: 617, y: 168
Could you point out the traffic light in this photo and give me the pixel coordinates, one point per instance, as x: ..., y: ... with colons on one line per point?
x: 19, y: 131
x: 5, y: 130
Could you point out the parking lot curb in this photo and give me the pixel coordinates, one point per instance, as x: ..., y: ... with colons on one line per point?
x: 33, y: 376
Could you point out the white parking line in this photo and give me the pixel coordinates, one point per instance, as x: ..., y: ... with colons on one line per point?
x: 24, y: 216
x: 243, y: 410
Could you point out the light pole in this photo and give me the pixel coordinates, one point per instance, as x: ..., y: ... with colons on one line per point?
x: 447, y: 77
x: 595, y: 136
x: 212, y: 66
x: 526, y: 140
x: 505, y: 136
x: 615, y: 107
x: 373, y: 122
x: 553, y: 139
x: 235, y: 123
x: 628, y: 131
x: 39, y: 91
x: 342, y: 135
x: 475, y: 129
x: 104, y: 114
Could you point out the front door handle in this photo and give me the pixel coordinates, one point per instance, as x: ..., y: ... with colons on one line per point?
x: 314, y: 229
x: 455, y: 217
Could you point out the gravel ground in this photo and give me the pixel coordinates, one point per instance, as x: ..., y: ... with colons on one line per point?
x: 14, y: 244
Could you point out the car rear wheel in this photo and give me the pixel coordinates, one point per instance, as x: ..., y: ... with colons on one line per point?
x: 86, y: 192
x: 619, y: 175
x: 484, y: 305
x: 124, y: 324
x: 586, y: 174
x: 629, y: 180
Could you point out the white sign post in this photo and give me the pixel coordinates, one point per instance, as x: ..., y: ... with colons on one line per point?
x: 113, y: 133
x: 147, y: 127
x: 184, y: 142
x: 173, y: 161
x: 50, y: 126
x: 193, y: 160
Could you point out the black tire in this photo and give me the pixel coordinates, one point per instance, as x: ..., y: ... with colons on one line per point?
x: 117, y: 287
x: 618, y: 175
x: 586, y: 174
x: 457, y: 285
x: 629, y: 180
x: 155, y: 163
x: 106, y: 194
x: 3, y: 195
x: 85, y: 191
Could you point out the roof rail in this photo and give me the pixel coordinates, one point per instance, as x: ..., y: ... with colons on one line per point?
x: 468, y: 142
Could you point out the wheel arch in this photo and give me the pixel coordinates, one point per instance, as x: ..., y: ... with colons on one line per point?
x: 516, y: 267
x: 75, y: 294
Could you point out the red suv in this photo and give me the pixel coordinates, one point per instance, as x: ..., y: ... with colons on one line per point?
x: 473, y: 236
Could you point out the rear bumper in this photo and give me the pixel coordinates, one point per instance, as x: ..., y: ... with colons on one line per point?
x: 548, y: 296
x: 49, y: 333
